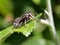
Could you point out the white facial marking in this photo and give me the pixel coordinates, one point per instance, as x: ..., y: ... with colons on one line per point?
x: 16, y: 24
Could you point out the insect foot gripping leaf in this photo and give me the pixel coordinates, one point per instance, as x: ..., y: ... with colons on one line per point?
x: 5, y: 33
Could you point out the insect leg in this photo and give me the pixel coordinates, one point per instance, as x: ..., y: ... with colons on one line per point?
x: 20, y: 24
x: 25, y: 21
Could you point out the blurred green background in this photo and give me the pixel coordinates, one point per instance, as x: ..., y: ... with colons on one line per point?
x: 10, y: 9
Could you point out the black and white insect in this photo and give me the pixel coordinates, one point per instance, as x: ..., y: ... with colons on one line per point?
x: 19, y: 21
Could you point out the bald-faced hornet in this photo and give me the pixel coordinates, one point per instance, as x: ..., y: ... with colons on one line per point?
x: 19, y: 21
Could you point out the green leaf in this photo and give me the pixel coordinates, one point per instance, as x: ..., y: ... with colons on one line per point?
x: 5, y: 34
x: 25, y: 30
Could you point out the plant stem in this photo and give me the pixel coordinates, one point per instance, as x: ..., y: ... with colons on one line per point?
x: 50, y: 19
